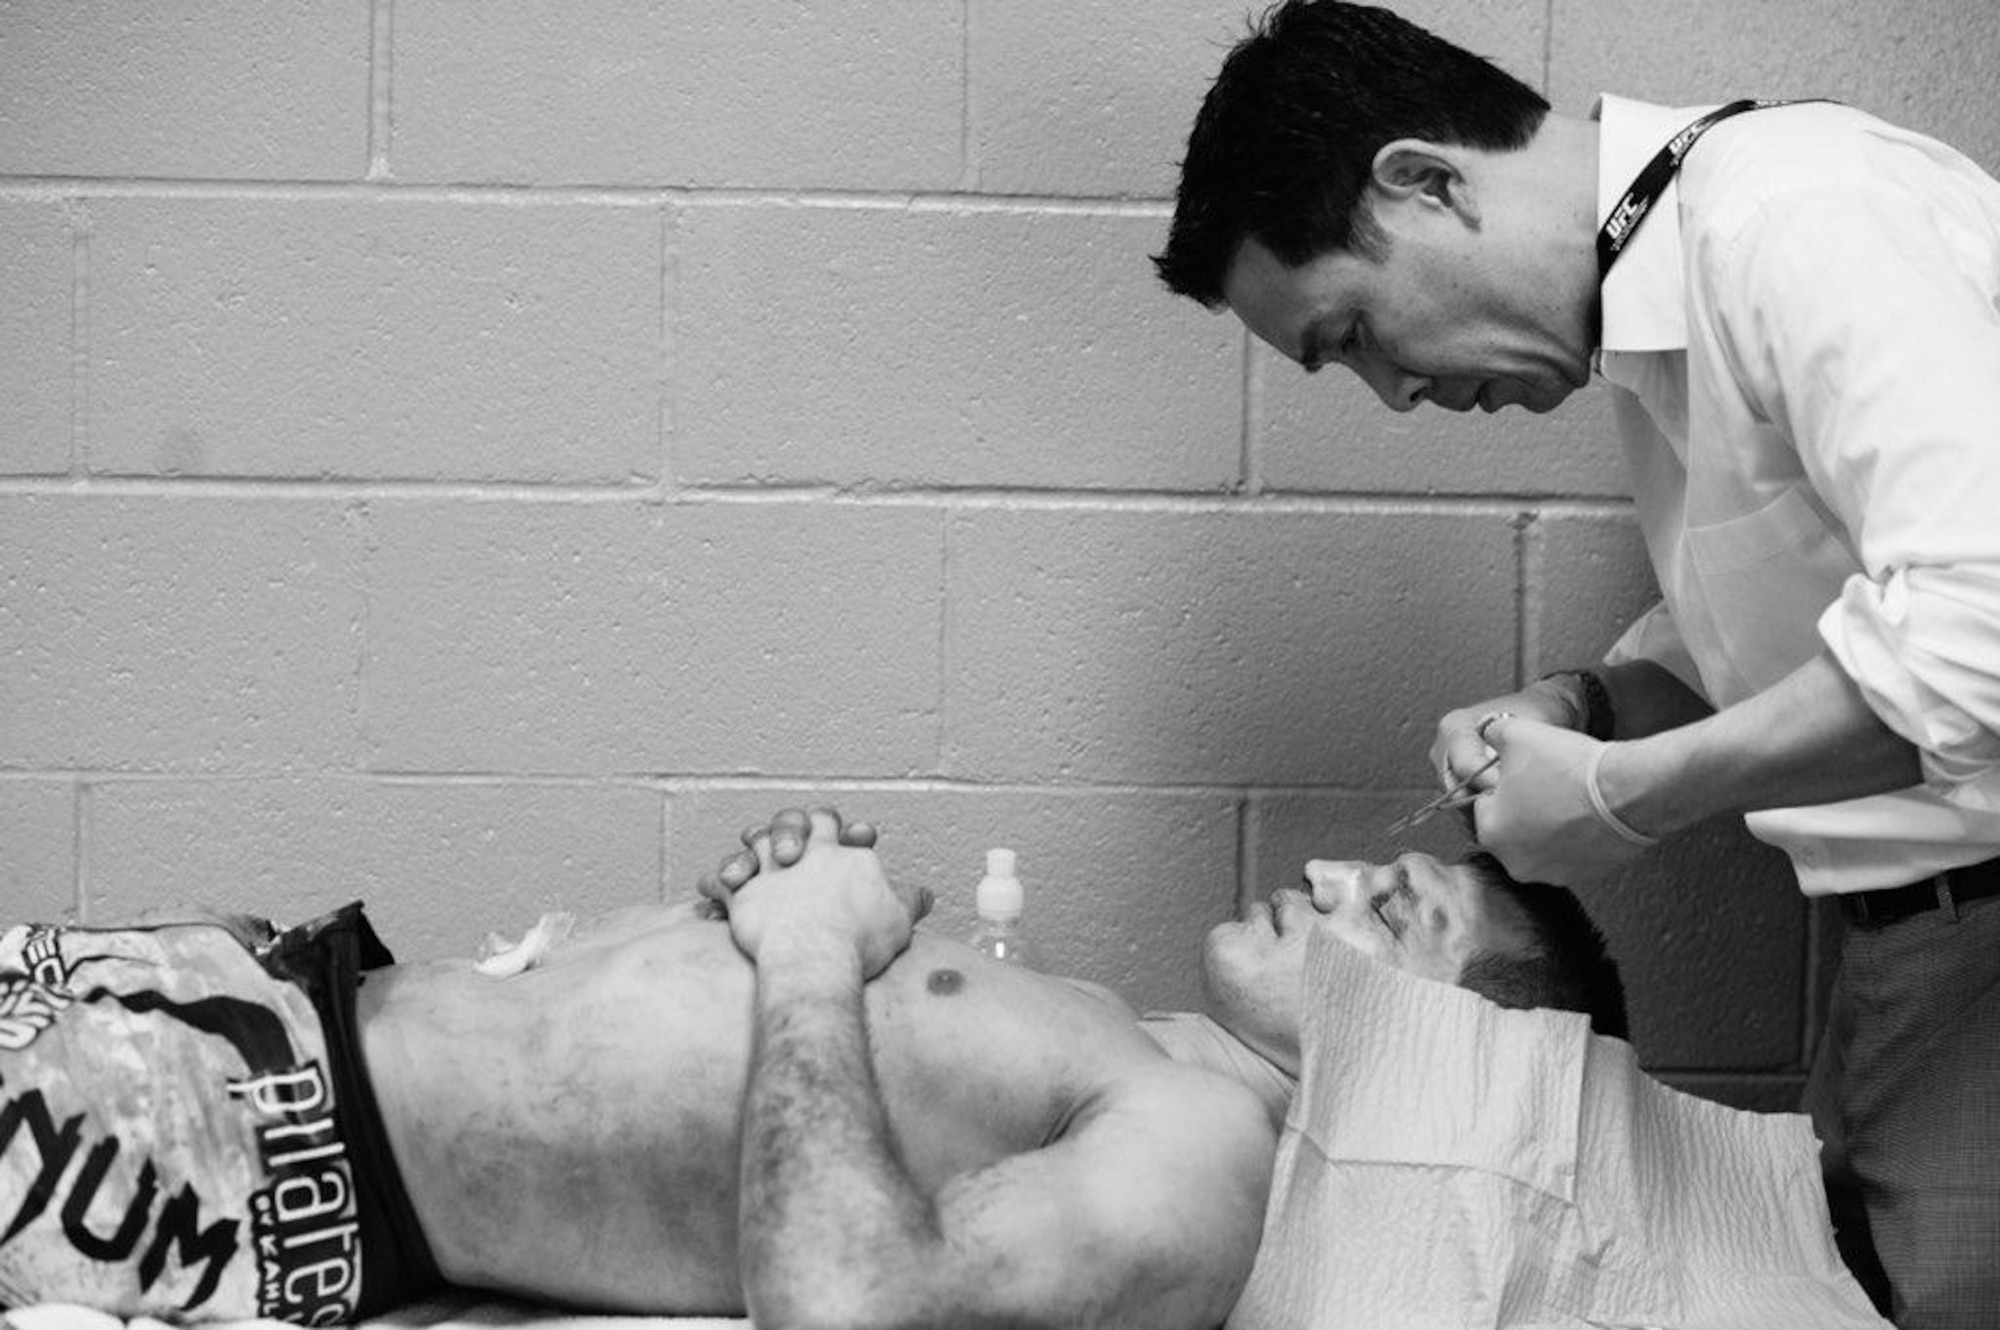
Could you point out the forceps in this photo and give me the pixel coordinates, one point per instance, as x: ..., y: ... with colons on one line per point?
x: 1453, y: 797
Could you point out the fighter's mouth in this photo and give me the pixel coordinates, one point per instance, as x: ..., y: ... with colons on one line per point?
x: 1279, y: 905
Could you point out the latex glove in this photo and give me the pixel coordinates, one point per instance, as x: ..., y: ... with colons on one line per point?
x: 1457, y: 750
x: 1545, y: 818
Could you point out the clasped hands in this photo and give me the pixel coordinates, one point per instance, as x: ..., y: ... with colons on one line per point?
x: 810, y: 881
x: 1541, y: 810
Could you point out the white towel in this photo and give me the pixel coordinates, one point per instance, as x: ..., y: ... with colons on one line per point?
x: 1448, y: 1163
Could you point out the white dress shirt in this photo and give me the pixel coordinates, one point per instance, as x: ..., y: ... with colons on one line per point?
x: 1807, y: 332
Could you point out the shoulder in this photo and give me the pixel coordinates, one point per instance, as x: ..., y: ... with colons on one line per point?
x: 1178, y: 1132
x: 1821, y: 219
x: 1150, y: 1198
x: 1188, y: 1156
x: 1752, y: 168
x: 1177, y: 1093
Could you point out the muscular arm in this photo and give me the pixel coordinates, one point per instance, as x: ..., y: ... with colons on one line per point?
x: 824, y: 1196
x: 1144, y: 1212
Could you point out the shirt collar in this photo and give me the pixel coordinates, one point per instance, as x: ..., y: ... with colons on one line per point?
x: 1643, y: 303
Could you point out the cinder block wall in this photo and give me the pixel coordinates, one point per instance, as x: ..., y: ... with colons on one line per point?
x: 475, y: 455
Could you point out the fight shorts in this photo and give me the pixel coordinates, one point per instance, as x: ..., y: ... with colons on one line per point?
x: 187, y: 1130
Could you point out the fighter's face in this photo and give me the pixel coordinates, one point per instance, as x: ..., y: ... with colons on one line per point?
x: 1417, y: 915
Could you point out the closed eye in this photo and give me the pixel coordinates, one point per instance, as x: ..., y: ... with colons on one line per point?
x: 1412, y: 907
x: 1403, y: 895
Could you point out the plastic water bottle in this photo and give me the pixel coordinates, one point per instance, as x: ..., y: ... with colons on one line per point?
x: 999, y: 900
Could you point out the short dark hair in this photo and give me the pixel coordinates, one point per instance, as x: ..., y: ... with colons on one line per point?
x: 1285, y: 142
x: 1567, y: 967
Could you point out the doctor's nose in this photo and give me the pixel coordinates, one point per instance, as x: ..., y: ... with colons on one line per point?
x: 1398, y: 389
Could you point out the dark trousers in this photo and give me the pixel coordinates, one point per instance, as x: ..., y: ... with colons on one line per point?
x: 1905, y: 1095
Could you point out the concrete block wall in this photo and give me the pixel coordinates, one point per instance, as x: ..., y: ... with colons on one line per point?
x: 477, y: 454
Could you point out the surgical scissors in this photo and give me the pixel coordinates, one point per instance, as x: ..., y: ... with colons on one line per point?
x: 1453, y: 797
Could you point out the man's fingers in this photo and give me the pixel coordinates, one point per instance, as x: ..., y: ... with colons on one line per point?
x: 1470, y: 750
x: 714, y: 903
x: 782, y: 842
x: 1468, y: 819
x: 737, y: 869
x: 1479, y: 818
x: 1465, y: 756
x: 827, y: 822
x: 783, y: 838
x: 790, y: 829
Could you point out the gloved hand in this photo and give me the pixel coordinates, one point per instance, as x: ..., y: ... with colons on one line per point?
x: 1545, y: 817
x: 1457, y: 750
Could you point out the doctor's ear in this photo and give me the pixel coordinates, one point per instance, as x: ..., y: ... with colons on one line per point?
x: 1424, y: 173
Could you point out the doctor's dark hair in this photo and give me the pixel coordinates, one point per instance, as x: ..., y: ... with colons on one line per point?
x: 1567, y: 967
x: 1285, y: 141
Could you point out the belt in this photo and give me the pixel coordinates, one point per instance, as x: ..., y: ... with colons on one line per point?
x: 1951, y: 888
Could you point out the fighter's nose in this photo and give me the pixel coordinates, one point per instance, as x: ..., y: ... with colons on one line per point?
x: 1332, y: 881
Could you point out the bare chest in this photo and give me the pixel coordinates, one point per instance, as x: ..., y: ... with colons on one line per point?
x: 576, y: 1135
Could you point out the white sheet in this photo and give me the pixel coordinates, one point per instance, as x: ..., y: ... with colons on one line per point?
x: 1447, y: 1163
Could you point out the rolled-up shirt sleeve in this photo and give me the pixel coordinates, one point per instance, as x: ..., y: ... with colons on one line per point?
x: 1923, y: 645
x: 1866, y: 324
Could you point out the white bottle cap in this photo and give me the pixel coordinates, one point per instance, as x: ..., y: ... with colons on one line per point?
x: 999, y: 893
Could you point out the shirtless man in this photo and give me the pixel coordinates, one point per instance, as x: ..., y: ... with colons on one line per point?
x: 807, y: 1113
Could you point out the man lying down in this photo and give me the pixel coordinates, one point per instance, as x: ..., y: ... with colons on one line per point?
x: 806, y: 1112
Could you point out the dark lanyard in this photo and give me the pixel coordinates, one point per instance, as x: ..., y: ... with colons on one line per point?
x: 1645, y: 191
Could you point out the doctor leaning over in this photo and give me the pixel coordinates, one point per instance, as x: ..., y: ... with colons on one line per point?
x: 1798, y: 309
